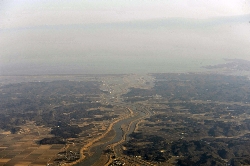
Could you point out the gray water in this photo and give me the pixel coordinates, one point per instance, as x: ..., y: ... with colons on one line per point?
x: 110, y: 65
x: 90, y: 160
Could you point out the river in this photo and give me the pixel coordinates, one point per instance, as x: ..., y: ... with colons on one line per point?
x: 90, y: 160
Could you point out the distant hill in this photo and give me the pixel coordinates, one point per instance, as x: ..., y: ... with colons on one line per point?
x: 232, y: 64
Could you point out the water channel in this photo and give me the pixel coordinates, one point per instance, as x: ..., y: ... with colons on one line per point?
x: 90, y: 160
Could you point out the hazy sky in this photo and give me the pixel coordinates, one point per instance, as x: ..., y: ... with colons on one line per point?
x: 60, y: 33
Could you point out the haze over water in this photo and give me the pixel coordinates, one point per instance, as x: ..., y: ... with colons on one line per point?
x: 108, y: 37
x: 114, y: 66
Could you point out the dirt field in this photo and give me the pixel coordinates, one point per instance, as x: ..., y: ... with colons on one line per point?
x: 21, y: 149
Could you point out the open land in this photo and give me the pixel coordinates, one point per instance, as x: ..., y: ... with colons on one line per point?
x: 151, y: 119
